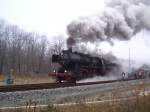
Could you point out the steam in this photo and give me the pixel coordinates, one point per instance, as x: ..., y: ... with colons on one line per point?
x: 94, y: 50
x: 121, y: 20
x: 98, y: 78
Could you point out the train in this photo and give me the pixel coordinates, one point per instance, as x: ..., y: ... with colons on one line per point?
x: 141, y: 73
x: 75, y: 66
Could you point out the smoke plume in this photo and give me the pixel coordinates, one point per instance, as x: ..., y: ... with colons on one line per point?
x: 120, y: 20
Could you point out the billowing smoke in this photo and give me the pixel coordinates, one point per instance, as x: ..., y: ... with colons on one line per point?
x: 121, y: 20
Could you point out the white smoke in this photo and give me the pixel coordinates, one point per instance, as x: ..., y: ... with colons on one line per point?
x: 99, y: 78
x: 120, y: 20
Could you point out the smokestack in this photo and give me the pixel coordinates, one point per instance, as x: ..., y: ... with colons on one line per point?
x: 121, y: 20
x: 70, y: 43
x: 70, y: 49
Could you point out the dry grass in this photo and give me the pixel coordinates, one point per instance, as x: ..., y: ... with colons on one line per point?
x: 140, y: 104
x: 28, y: 79
x: 32, y: 78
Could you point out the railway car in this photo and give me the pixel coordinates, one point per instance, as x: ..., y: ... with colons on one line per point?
x: 140, y: 74
x: 75, y: 66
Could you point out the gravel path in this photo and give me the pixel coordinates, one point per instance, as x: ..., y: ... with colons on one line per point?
x: 47, y: 96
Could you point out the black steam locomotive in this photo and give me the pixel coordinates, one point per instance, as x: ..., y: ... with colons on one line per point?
x: 75, y: 66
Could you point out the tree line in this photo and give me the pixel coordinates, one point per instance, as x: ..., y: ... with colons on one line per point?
x: 25, y: 52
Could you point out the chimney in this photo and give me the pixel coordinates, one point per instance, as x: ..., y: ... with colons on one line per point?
x: 70, y: 49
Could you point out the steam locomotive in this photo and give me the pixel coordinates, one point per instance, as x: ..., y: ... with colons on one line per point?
x: 76, y: 66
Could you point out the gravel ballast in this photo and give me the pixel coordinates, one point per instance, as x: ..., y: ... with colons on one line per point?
x: 49, y: 96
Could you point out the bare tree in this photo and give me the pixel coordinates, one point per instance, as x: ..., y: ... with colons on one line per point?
x: 55, y: 47
x: 2, y: 48
x: 58, y: 45
x: 26, y: 52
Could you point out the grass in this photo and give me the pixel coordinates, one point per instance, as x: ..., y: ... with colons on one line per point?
x: 140, y: 104
x: 28, y: 78
x: 32, y: 78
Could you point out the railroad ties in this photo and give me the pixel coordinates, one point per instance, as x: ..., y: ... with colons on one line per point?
x: 26, y: 87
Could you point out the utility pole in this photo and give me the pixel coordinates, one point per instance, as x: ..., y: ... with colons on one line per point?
x: 129, y: 60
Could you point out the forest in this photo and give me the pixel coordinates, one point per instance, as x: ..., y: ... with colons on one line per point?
x: 26, y: 52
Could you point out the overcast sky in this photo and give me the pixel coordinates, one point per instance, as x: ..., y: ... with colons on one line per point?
x: 51, y: 17
x: 47, y: 16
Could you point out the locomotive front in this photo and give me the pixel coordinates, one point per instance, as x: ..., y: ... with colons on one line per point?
x: 75, y: 66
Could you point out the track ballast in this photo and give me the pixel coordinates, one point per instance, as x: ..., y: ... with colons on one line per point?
x: 26, y: 87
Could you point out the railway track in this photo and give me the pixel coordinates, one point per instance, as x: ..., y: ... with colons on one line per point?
x: 26, y: 87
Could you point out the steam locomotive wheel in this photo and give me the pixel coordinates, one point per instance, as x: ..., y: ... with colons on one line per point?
x: 74, y: 80
x: 59, y: 79
x: 84, y: 74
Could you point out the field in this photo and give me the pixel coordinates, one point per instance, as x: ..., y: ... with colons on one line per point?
x: 28, y: 79
x: 138, y: 104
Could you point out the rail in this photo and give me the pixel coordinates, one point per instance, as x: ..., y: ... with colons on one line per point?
x: 26, y: 87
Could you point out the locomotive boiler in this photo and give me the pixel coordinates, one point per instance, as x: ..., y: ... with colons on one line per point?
x: 76, y: 66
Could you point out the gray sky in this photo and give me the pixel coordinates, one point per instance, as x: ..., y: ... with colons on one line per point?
x: 47, y: 16
x: 52, y: 16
